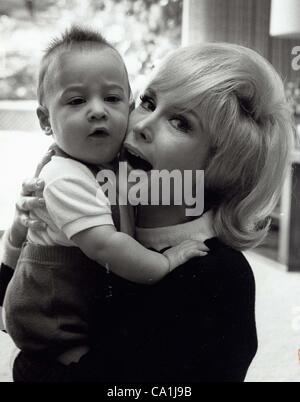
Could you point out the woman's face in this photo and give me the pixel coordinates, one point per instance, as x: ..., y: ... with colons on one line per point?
x: 161, y: 136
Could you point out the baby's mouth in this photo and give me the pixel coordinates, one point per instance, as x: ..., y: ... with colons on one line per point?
x: 136, y: 161
x: 99, y: 133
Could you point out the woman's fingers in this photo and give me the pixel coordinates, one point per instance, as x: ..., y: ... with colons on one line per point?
x: 28, y: 223
x: 32, y: 185
x: 36, y: 225
x: 26, y: 203
x: 29, y: 203
x: 23, y: 219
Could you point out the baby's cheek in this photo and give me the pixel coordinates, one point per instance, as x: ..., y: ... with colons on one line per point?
x: 123, y: 128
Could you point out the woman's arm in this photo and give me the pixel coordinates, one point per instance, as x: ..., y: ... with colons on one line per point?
x: 15, y: 236
x: 30, y: 198
x: 127, y: 258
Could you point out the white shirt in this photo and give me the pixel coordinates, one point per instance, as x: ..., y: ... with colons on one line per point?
x: 159, y: 238
x: 74, y: 202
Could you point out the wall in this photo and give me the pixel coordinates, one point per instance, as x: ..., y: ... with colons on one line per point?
x: 245, y: 22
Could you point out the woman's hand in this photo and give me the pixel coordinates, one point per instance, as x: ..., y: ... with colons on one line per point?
x: 30, y: 199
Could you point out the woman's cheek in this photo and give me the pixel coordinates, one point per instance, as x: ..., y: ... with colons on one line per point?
x: 132, y: 121
x: 129, y: 126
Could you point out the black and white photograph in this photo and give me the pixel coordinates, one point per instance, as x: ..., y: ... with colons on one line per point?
x: 150, y: 194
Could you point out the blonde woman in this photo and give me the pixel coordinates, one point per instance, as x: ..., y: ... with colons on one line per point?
x: 221, y: 108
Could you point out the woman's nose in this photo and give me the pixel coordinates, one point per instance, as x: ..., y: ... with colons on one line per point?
x: 97, y: 111
x: 143, y: 131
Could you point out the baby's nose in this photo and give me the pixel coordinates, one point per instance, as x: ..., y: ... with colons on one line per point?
x: 97, y: 111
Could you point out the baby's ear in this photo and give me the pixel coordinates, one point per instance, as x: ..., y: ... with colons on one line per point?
x: 43, y: 115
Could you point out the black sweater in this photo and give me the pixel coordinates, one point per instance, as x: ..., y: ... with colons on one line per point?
x: 196, y: 325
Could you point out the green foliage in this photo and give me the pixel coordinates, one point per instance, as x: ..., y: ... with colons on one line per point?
x: 143, y: 31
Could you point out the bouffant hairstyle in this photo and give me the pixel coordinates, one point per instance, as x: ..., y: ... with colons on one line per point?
x: 249, y: 122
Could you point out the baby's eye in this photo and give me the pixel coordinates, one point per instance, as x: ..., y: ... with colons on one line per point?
x: 76, y: 101
x: 181, y: 123
x: 113, y: 99
x: 147, y: 102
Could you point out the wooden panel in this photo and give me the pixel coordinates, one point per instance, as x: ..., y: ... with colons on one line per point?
x: 239, y: 21
x: 260, y: 25
x: 294, y: 249
x: 221, y: 21
x: 245, y: 22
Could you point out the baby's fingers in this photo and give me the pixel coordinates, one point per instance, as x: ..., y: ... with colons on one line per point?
x: 186, y: 250
x: 193, y: 253
x: 191, y: 249
x: 201, y: 239
x: 194, y: 246
x: 203, y: 247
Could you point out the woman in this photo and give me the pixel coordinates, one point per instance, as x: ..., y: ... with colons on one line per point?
x: 221, y: 108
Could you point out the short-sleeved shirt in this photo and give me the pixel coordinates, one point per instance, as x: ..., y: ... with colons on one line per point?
x: 74, y: 202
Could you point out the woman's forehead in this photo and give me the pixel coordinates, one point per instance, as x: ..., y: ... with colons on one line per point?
x: 176, y: 99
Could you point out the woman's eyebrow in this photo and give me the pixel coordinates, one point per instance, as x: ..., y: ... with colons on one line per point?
x: 190, y: 112
x: 193, y: 113
x: 196, y: 117
x: 151, y: 92
x: 180, y: 110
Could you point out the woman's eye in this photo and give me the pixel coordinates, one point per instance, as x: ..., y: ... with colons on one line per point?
x: 76, y: 101
x: 113, y: 99
x: 147, y: 102
x: 181, y: 123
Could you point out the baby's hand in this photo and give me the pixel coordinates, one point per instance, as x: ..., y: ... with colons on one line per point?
x: 186, y: 250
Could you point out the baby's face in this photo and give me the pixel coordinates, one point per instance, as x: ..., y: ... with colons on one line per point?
x: 88, y: 104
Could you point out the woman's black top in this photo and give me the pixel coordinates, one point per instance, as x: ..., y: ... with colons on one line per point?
x: 196, y: 325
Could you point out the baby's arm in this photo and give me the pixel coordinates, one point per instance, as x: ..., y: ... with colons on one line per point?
x: 79, y: 208
x: 127, y: 258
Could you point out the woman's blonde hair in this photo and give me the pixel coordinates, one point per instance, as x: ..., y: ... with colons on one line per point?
x: 245, y: 112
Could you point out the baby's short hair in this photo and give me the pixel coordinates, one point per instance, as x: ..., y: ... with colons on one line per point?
x: 74, y: 38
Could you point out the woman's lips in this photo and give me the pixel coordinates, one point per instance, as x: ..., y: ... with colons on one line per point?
x: 136, y: 159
